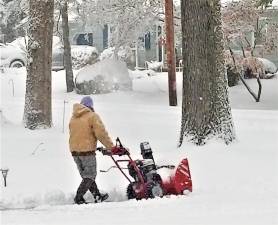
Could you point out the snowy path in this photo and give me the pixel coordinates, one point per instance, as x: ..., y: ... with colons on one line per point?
x: 232, y: 185
x: 194, y: 209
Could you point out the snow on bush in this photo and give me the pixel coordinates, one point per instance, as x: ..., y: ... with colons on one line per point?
x: 83, y: 55
x: 255, y: 66
x: 154, y: 65
x: 139, y: 74
x: 103, y: 77
x: 123, y: 53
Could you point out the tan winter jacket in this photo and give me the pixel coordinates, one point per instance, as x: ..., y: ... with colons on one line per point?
x: 86, y: 128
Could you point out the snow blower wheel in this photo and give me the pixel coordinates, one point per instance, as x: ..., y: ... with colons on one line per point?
x: 130, y: 192
x: 154, y: 190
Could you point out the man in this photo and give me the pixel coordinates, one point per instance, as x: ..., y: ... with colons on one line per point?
x: 86, y: 128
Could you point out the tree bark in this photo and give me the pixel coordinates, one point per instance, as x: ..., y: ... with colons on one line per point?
x: 170, y: 47
x: 37, y: 111
x: 206, y: 111
x: 67, y: 47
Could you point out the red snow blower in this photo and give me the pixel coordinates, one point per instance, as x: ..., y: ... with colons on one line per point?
x: 146, y: 182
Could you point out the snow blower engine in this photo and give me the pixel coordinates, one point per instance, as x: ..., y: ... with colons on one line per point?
x: 146, y: 182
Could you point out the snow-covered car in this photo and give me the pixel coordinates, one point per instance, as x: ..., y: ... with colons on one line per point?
x: 269, y: 66
x: 265, y: 66
x: 14, y: 54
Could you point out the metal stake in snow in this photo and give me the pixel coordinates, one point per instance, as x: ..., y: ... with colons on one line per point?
x: 5, y: 173
x: 12, y: 81
x: 65, y: 102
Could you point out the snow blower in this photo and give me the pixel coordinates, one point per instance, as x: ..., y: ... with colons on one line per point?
x: 145, y: 182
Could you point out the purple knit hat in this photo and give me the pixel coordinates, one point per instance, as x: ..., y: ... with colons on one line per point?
x: 87, y: 101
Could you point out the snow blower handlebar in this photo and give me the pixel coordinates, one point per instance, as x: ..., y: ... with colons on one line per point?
x: 119, y: 143
x: 114, y: 151
x: 118, y: 149
x: 112, y: 167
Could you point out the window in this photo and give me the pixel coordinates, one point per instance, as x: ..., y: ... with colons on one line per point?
x: 85, y: 39
x: 105, y: 36
x: 148, y: 40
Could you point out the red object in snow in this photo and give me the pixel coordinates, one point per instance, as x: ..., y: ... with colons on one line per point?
x: 144, y: 181
x: 180, y: 181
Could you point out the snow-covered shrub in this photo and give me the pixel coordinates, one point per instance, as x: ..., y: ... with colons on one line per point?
x: 107, y: 54
x: 154, y: 65
x: 83, y: 55
x: 140, y: 74
x: 233, y: 67
x: 253, y: 67
x: 232, y: 75
x: 124, y: 53
x: 103, y: 77
x: 234, y: 61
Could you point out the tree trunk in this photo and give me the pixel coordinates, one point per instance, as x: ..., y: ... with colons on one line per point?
x: 206, y: 111
x: 37, y: 111
x: 67, y: 48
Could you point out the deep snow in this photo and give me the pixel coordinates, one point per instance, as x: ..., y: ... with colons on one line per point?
x: 234, y: 184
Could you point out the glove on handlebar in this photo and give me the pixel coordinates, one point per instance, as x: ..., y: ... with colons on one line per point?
x: 116, y: 150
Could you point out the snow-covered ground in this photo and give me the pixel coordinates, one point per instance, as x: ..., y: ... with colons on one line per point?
x: 232, y: 185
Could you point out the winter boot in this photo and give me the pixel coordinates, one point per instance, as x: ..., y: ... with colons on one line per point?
x: 97, y: 195
x: 81, y: 191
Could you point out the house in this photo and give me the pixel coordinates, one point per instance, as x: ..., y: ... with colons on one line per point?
x: 149, y: 47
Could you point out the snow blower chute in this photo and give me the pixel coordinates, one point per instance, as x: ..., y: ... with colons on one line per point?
x: 144, y: 181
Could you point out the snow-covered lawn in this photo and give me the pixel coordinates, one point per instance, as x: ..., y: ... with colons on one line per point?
x: 232, y: 185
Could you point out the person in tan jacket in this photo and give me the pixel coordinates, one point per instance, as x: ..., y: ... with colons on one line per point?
x: 85, y: 129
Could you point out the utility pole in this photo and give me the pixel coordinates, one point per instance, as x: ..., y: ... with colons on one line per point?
x: 170, y: 48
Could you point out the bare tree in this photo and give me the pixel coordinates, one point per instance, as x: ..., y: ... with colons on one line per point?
x: 206, y: 111
x: 67, y: 47
x: 37, y: 111
x: 127, y: 19
x: 240, y: 19
x: 12, y: 12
